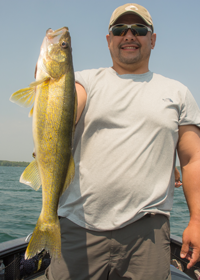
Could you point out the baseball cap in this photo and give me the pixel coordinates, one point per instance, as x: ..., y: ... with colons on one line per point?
x: 131, y: 8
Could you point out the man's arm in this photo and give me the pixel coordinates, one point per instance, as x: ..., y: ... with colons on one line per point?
x: 81, y: 100
x: 189, y: 155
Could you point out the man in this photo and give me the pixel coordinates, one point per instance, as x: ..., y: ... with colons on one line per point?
x: 115, y: 215
x: 178, y: 182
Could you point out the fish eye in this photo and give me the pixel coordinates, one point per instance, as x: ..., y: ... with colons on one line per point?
x: 64, y: 45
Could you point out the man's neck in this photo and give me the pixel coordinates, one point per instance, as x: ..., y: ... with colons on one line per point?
x: 130, y: 69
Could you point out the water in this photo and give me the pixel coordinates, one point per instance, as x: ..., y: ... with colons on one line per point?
x: 20, y: 207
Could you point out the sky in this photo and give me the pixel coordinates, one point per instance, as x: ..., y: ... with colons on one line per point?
x: 23, y: 27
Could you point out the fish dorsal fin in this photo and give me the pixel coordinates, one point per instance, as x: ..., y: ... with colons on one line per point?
x: 31, y: 176
x: 70, y: 174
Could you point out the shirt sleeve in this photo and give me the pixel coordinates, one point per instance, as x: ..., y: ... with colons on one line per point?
x: 190, y: 113
x: 83, y: 78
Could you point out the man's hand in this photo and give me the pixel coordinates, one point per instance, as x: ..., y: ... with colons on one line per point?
x: 178, y: 183
x: 189, y: 155
x: 191, y: 243
x: 35, y: 73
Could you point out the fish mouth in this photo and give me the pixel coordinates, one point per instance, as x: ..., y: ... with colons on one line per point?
x: 50, y: 33
x: 59, y: 37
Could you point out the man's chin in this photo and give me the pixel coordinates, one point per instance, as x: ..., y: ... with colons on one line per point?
x: 129, y: 60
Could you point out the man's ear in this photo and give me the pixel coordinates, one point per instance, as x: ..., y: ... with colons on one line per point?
x: 153, y: 40
x: 108, y: 40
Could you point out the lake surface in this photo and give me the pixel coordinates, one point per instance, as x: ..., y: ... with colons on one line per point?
x: 20, y: 206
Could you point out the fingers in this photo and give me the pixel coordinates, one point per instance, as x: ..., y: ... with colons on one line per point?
x: 35, y: 71
x: 193, y: 258
x: 184, y: 250
x: 178, y: 184
x: 192, y: 255
x: 191, y: 247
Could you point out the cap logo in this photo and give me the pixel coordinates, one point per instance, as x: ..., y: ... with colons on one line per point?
x: 131, y: 7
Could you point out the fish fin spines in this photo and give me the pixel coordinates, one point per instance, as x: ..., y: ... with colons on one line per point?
x: 31, y: 176
x: 70, y: 174
x: 39, y: 82
x: 24, y: 97
x: 45, y: 236
x: 31, y: 112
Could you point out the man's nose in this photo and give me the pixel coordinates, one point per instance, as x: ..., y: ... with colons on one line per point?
x: 129, y: 36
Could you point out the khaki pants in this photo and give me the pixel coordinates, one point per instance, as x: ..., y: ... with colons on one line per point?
x: 139, y: 251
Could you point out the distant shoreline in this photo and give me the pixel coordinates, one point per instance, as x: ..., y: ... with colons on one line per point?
x: 24, y: 163
x: 14, y: 163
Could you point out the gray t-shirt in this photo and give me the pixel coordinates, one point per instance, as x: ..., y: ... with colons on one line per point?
x: 124, y: 148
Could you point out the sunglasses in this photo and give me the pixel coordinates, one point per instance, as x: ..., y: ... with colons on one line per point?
x: 137, y: 29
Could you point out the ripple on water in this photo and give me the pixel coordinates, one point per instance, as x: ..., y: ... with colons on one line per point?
x: 20, y: 206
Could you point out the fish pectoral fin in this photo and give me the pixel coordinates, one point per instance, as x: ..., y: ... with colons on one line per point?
x: 39, y: 82
x: 70, y: 174
x: 31, y: 176
x: 24, y: 97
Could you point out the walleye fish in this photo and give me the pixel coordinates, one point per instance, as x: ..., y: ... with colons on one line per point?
x: 54, y: 113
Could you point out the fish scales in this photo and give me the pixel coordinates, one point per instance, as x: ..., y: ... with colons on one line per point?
x: 54, y: 115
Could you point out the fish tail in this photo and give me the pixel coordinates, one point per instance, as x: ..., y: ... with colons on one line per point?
x: 45, y: 236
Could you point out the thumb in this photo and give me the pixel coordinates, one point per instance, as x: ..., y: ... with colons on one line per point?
x: 184, y: 249
x: 35, y: 71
